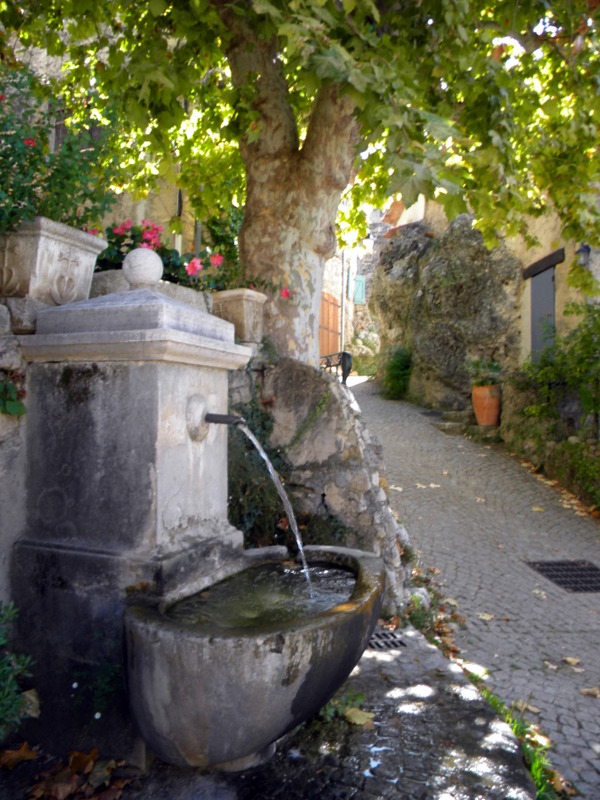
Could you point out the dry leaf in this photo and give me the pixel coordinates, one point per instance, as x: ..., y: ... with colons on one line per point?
x: 550, y: 665
x: 593, y: 691
x: 31, y: 704
x: 450, y: 601
x: 571, y: 661
x: 357, y: 716
x: 537, y: 508
x: 83, y: 762
x: 485, y: 617
x: 12, y: 758
x: 522, y: 705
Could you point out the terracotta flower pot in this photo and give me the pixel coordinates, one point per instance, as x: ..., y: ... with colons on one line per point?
x: 486, y: 404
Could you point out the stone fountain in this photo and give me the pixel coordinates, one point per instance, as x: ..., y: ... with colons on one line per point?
x: 127, y: 499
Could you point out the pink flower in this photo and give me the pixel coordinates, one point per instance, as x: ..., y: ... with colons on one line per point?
x: 122, y: 229
x: 285, y: 293
x: 2, y: 98
x: 216, y: 260
x: 30, y: 142
x: 94, y: 231
x: 151, y: 239
x: 194, y: 267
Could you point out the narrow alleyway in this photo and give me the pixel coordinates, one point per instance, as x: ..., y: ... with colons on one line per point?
x: 479, y: 516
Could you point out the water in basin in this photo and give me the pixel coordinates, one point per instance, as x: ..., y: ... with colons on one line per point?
x: 264, y: 596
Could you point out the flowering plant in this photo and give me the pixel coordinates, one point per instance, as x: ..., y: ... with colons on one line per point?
x: 206, y: 272
x: 126, y: 236
x: 68, y: 183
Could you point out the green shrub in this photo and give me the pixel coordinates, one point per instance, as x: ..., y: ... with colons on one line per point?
x: 396, y: 371
x: 576, y: 465
x: 11, y: 668
x: 570, y: 367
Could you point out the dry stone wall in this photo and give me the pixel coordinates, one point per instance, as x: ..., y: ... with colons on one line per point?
x: 332, y: 459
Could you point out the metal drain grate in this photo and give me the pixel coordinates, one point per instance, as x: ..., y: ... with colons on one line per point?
x: 382, y: 639
x: 574, y: 576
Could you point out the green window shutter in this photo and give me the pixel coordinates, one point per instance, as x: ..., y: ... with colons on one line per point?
x: 359, y: 290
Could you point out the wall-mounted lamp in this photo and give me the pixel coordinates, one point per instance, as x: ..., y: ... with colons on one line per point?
x: 583, y: 254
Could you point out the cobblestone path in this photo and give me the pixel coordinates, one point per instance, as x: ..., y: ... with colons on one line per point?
x: 479, y: 516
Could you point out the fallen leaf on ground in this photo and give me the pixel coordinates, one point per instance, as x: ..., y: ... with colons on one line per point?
x: 83, y: 762
x: 450, y: 601
x: 571, y: 661
x: 537, y: 508
x: 540, y: 593
x: 357, y: 716
x: 12, y: 758
x: 433, y: 570
x: 522, y: 705
x: 31, y: 704
x: 593, y: 691
x: 550, y: 665
x: 485, y: 616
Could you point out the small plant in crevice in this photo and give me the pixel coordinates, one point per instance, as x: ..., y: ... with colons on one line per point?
x: 12, y: 393
x: 332, y: 728
x: 434, y: 618
x: 13, y: 667
x: 341, y: 704
x: 549, y: 783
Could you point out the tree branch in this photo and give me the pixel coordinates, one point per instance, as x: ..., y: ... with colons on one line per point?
x: 256, y: 62
x: 332, y: 136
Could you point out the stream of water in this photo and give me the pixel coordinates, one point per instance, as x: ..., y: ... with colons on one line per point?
x: 284, y: 498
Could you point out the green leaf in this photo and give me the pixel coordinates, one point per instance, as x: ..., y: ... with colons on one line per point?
x: 157, y: 7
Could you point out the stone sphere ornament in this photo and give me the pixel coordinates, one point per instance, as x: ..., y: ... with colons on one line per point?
x: 142, y: 267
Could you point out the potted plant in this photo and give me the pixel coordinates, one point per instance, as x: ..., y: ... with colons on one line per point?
x: 486, y: 393
x: 49, y: 193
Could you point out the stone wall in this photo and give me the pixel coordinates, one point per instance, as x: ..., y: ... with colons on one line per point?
x: 12, y: 458
x: 334, y: 464
x: 450, y: 300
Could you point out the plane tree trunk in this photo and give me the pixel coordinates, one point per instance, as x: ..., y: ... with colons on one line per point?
x: 293, y: 192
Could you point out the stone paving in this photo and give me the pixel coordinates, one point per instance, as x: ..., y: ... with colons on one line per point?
x: 478, y: 515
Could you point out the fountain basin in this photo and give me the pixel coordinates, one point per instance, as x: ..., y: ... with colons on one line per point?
x: 222, y: 699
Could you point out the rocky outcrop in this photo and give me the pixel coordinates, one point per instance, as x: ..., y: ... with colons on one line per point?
x: 450, y: 300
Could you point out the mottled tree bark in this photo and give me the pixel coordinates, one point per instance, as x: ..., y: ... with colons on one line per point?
x: 293, y: 191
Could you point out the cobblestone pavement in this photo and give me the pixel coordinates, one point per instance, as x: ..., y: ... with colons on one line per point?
x: 479, y: 516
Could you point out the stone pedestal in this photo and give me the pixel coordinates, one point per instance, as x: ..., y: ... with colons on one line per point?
x: 244, y: 308
x: 126, y: 485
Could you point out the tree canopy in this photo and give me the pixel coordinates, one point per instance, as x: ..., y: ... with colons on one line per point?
x: 491, y: 105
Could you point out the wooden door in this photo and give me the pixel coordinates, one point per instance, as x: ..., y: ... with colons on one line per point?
x: 329, y: 325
